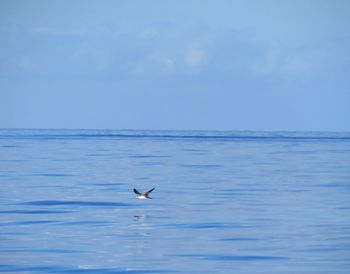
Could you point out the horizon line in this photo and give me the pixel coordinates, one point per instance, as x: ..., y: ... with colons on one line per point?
x: 172, y: 130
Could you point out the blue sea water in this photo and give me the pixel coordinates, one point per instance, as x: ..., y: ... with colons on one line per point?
x: 225, y: 202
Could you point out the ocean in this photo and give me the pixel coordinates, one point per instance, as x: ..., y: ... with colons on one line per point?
x: 224, y: 201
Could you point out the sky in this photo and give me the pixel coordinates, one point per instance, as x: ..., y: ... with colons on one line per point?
x: 182, y: 64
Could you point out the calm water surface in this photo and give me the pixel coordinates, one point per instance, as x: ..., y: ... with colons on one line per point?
x: 225, y: 202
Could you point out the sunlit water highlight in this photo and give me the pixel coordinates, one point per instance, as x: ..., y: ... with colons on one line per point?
x: 225, y: 202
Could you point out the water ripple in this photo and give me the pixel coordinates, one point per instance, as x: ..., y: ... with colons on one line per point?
x: 77, y: 203
x: 27, y: 223
x: 239, y: 239
x: 54, y: 174
x: 205, y: 226
x: 79, y: 269
x: 34, y: 211
x: 233, y: 257
x: 41, y: 250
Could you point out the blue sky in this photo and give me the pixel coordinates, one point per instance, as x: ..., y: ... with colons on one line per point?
x: 221, y: 65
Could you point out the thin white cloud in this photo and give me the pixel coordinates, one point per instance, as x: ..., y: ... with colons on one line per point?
x: 25, y: 63
x: 149, y: 33
x: 155, y: 63
x: 289, y: 62
x: 43, y: 30
x: 194, y: 57
x: 270, y: 62
x: 305, y: 61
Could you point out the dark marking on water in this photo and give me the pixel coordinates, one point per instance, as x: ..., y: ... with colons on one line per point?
x: 54, y: 174
x: 239, y: 239
x: 205, y: 166
x: 343, y: 208
x: 35, y: 269
x: 298, y: 190
x: 147, y: 156
x: 324, y: 249
x: 13, y: 160
x: 99, y: 154
x: 336, y: 185
x: 108, y: 184
x: 234, y: 193
x: 80, y: 269
x: 92, y: 223
x: 28, y: 223
x: 35, y: 211
x: 233, y: 257
x: 76, y: 203
x: 9, y: 146
x: 177, y: 135
x: 206, y: 226
x: 41, y: 250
